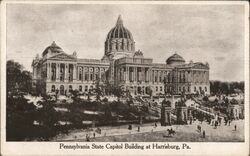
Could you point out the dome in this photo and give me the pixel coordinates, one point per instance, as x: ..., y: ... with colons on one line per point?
x: 175, y: 60
x: 53, y: 48
x: 119, y: 41
x: 119, y: 31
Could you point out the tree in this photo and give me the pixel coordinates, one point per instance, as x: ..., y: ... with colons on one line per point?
x: 20, y: 118
x: 117, y: 91
x: 17, y: 78
x: 98, y: 90
x: 218, y: 87
x: 47, y: 114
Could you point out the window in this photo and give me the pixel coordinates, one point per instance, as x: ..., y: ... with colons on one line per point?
x: 53, y: 88
x: 160, y: 88
x: 194, y: 88
x: 70, y: 88
x: 180, y: 89
x: 80, y: 88
x: 156, y: 89
x: 205, y: 89
x: 80, y: 74
x: 86, y: 76
x: 97, y: 76
x: 188, y: 89
x: 91, y: 77
x: 86, y: 88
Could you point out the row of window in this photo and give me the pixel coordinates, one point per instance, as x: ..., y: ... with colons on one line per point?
x: 86, y: 88
x: 183, y: 89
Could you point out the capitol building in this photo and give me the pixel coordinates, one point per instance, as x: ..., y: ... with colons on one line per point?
x: 122, y: 65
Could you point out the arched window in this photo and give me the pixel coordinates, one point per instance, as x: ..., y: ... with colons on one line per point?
x: 62, y: 90
x: 80, y: 74
x: 70, y: 88
x: 91, y: 76
x: 53, y: 88
x: 116, y: 46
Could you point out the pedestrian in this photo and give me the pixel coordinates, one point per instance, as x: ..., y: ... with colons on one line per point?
x: 87, y: 137
x: 204, y: 134
x: 219, y: 121
x: 235, y: 127
x: 229, y: 122
x: 155, y: 124
x: 130, y: 127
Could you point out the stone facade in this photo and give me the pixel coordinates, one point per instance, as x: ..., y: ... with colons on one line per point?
x: 121, y: 65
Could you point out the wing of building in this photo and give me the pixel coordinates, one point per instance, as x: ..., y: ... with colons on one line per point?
x: 121, y: 65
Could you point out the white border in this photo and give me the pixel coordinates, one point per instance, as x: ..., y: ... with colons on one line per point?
x: 52, y: 148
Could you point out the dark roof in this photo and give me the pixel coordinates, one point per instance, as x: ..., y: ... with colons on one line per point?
x: 175, y: 58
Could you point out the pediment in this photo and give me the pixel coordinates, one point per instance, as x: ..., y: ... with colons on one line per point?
x: 62, y: 56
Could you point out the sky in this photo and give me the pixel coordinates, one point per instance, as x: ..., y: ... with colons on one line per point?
x: 201, y: 33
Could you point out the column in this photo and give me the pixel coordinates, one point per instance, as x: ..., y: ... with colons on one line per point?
x: 57, y: 71
x: 158, y: 76
x: 153, y: 76
x: 50, y: 71
x: 83, y: 73
x: 143, y: 74
x: 118, y: 74
x: 127, y: 70
x: 207, y: 76
x: 78, y: 75
x: 100, y: 75
x: 74, y: 72
x: 94, y: 78
x: 126, y: 73
x: 66, y: 69
x: 132, y: 73
x: 192, y: 76
x: 89, y: 74
x: 48, y: 74
x: 122, y: 74
x: 136, y: 78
